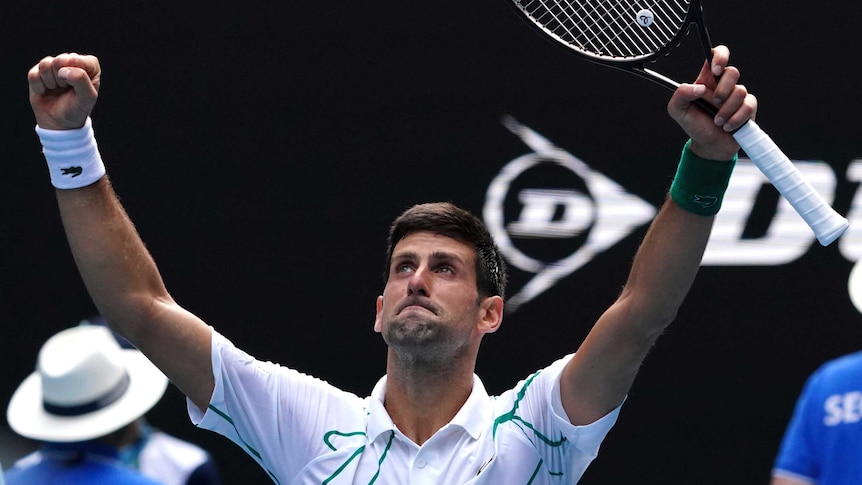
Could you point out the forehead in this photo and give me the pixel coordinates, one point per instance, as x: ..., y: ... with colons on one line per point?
x: 425, y: 243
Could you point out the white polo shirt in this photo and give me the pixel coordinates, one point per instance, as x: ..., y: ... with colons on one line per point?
x: 302, y: 430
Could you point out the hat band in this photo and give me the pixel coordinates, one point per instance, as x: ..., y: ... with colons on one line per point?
x: 109, y: 398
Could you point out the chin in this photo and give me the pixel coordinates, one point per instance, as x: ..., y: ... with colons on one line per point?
x: 411, y: 332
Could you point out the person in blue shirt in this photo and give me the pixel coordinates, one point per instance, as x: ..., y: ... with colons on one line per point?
x: 92, y: 462
x: 822, y: 443
x: 80, y: 402
x: 157, y: 454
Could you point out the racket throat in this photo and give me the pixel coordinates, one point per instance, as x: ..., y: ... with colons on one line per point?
x: 671, y: 85
x: 658, y: 78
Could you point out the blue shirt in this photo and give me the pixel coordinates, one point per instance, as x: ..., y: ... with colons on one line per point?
x: 823, y: 441
x: 84, y: 463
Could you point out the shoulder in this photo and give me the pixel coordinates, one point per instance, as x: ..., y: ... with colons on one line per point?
x: 88, y: 471
x: 28, y: 469
x: 28, y: 461
x: 543, y: 380
x: 835, y: 377
x: 846, y: 363
x: 846, y: 366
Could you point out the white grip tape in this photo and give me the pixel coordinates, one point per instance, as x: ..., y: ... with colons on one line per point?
x: 827, y: 224
x: 72, y: 155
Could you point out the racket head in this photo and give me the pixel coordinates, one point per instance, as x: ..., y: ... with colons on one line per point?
x: 617, y: 32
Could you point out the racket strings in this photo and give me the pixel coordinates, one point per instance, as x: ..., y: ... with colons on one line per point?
x: 609, y: 29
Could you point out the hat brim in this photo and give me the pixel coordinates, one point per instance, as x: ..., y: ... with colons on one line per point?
x: 27, y: 416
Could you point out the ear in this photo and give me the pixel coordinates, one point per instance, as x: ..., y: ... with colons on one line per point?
x: 490, y: 314
x: 377, y: 316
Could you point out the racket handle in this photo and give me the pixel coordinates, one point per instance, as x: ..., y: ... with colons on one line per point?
x: 827, y: 224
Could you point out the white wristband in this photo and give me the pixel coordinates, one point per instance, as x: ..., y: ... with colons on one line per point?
x: 72, y: 155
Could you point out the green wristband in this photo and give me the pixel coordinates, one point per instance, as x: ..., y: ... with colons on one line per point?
x: 699, y: 183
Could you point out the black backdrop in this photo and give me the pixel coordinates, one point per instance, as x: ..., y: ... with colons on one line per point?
x: 262, y: 150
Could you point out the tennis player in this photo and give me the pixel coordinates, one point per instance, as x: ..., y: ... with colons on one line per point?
x: 429, y: 419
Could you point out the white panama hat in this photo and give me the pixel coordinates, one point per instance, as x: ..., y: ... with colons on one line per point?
x: 85, y: 386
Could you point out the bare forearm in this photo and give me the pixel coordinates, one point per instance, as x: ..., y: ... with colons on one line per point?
x: 119, y: 273
x: 665, y: 266
x: 126, y: 287
x: 603, y: 369
x: 605, y: 366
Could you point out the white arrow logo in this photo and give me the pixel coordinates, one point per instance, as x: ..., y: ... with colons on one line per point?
x: 607, y: 213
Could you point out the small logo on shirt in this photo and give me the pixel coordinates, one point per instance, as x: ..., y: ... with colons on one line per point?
x: 73, y: 171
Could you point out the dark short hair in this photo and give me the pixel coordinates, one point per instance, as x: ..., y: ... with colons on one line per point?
x: 450, y: 220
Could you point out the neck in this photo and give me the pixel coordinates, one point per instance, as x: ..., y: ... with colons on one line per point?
x: 123, y: 436
x: 420, y: 401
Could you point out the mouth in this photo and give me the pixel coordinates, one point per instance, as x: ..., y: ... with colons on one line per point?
x: 414, y: 304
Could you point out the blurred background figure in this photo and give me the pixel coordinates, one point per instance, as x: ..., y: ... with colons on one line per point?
x: 79, y: 404
x: 85, y: 404
x: 159, y: 455
x: 823, y: 441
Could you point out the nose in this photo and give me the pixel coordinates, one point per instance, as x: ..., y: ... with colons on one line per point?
x: 418, y: 282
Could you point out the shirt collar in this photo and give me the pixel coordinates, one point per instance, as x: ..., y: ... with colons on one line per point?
x: 473, y: 416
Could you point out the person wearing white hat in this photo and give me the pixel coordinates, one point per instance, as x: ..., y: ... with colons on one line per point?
x: 85, y: 392
x: 134, y: 444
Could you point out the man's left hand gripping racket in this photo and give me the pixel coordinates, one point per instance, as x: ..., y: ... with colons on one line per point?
x: 626, y: 34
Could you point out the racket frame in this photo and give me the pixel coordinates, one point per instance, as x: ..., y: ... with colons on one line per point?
x: 826, y: 224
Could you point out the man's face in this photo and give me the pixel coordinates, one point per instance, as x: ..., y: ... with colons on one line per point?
x: 430, y: 303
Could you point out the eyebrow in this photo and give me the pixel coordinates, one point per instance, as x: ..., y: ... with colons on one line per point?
x: 435, y: 256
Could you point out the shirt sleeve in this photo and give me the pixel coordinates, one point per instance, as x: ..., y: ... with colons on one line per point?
x: 538, y: 411
x: 277, y: 415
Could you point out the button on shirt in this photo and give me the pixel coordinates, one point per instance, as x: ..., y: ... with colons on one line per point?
x: 302, y: 430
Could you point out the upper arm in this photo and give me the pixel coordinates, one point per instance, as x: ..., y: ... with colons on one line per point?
x: 128, y: 290
x: 179, y: 344
x: 601, y: 373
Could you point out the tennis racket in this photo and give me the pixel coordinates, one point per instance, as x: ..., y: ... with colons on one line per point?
x: 627, y: 34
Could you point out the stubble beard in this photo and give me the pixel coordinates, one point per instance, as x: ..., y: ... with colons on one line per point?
x: 418, y: 341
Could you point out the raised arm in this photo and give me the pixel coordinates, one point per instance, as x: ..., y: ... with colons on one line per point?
x: 600, y: 375
x: 116, y: 267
